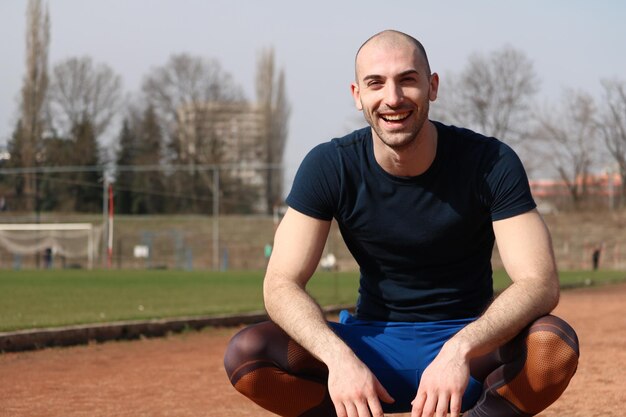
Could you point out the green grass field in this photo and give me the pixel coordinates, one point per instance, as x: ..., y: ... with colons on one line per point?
x: 35, y: 299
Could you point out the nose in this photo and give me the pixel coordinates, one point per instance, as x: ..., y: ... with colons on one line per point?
x: 393, y: 94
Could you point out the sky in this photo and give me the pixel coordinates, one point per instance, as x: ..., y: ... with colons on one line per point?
x: 573, y: 44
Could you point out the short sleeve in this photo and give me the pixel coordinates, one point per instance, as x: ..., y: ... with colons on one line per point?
x: 315, y: 189
x: 508, y: 186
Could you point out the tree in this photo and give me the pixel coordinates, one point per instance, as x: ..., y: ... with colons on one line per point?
x: 57, y: 189
x: 16, y: 182
x: 184, y: 84
x: 613, y: 126
x: 33, y: 93
x: 80, y: 89
x: 148, y: 187
x: 126, y: 154
x: 271, y: 96
x: 181, y: 91
x: 87, y: 189
x: 571, y: 135
x: 493, y: 95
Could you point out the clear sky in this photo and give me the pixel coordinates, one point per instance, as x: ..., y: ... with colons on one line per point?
x: 572, y: 43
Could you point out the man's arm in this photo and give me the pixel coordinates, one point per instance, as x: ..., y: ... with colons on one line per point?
x: 526, y: 250
x: 298, y: 246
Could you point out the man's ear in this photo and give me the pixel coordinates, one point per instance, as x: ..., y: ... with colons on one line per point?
x: 356, y: 95
x: 434, y: 86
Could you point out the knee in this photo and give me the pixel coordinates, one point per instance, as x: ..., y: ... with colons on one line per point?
x: 552, y: 352
x: 246, y: 346
x: 547, y: 359
x: 554, y: 339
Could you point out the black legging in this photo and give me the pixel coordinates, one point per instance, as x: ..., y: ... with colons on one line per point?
x: 521, y: 378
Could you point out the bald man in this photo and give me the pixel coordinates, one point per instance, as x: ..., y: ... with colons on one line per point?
x: 419, y: 205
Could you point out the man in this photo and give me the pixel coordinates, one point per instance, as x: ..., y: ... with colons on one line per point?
x: 419, y: 205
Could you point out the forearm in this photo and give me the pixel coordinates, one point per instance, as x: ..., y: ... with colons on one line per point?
x: 526, y: 251
x: 522, y: 302
x: 297, y: 313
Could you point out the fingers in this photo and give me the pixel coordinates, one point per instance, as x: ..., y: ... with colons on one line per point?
x: 442, y: 406
x: 418, y: 404
x: 455, y: 405
x: 438, y: 406
x: 382, y: 393
x: 361, y: 409
x: 375, y: 408
x: 340, y: 410
x: 429, y: 407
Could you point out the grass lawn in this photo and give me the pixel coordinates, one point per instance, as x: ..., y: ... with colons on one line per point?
x: 34, y: 299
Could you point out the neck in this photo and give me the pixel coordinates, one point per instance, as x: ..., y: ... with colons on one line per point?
x: 412, y: 160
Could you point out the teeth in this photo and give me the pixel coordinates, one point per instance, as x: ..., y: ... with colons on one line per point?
x: 395, y: 117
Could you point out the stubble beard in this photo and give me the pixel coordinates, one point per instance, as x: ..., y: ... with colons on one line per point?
x: 402, y: 139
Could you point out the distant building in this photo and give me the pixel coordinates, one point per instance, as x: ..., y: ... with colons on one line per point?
x: 603, y: 188
x: 232, y: 135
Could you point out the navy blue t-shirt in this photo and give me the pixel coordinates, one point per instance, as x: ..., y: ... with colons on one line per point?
x: 423, y: 243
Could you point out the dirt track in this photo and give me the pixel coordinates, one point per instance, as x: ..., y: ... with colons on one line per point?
x: 182, y: 375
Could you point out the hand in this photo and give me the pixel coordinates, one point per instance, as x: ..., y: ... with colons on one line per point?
x: 442, y: 385
x: 355, y: 390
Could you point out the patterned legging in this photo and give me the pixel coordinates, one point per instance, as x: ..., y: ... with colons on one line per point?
x: 521, y: 378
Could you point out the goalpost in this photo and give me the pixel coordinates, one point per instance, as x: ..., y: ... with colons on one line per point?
x: 71, y: 240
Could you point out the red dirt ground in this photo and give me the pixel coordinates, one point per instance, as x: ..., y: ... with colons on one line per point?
x: 182, y: 375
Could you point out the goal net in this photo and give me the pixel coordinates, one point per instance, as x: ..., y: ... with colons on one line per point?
x: 67, y: 240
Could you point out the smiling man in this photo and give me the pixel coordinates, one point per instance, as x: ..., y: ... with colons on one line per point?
x: 420, y: 206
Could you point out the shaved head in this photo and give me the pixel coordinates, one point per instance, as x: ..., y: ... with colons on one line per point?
x: 393, y: 39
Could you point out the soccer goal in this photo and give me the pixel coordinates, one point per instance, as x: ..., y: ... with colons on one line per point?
x: 68, y: 240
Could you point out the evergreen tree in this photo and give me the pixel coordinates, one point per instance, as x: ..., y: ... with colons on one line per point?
x: 88, y: 187
x: 149, y: 186
x: 124, y: 180
x: 16, y: 182
x: 34, y: 90
x: 55, y: 190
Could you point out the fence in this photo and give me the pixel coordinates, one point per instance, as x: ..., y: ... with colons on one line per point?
x: 204, y: 192
x: 218, y: 238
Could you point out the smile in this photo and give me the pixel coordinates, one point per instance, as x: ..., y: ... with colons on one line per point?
x: 396, y: 117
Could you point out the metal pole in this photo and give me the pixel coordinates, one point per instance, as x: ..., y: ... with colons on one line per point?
x: 110, y: 228
x: 216, y: 221
x: 105, y: 217
x: 90, y: 248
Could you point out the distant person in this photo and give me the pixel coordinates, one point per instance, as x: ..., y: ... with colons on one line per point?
x: 267, y: 251
x: 595, y: 257
x: 419, y: 205
x: 47, y: 256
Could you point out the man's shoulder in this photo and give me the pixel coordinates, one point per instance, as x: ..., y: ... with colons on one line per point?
x: 349, y: 147
x: 466, y: 142
x: 465, y: 136
x: 353, y: 139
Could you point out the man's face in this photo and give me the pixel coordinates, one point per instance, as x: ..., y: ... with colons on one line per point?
x: 393, y: 89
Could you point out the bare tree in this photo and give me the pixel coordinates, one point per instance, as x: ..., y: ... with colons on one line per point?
x: 613, y: 126
x: 571, y: 138
x: 493, y: 94
x: 34, y: 92
x: 184, y: 85
x: 182, y: 93
x: 81, y: 90
x: 271, y: 96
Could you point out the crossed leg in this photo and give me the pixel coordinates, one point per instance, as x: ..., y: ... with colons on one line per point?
x: 267, y: 366
x: 521, y: 378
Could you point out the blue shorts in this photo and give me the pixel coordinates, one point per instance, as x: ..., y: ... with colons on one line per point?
x: 399, y: 352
